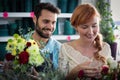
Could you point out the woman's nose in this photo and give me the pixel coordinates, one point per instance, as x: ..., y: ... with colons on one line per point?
x: 90, y: 30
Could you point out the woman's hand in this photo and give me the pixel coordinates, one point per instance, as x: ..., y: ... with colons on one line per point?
x: 74, y: 72
x: 88, y: 71
x: 91, y: 72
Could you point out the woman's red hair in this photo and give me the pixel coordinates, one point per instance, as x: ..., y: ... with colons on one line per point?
x: 83, y: 14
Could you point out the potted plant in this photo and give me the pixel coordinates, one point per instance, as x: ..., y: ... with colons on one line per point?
x: 107, y: 25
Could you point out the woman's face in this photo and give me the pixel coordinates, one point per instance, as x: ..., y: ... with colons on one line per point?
x: 89, y: 30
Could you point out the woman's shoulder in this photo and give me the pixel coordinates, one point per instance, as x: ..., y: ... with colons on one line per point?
x: 105, y: 44
x: 66, y: 44
x: 106, y: 50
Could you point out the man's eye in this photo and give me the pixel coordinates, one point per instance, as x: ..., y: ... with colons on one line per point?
x: 46, y: 21
x: 53, y: 23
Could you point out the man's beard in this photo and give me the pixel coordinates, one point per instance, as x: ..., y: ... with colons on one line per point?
x: 40, y: 31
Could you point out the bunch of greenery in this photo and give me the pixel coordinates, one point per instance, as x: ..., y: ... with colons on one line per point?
x: 49, y: 73
x: 107, y: 25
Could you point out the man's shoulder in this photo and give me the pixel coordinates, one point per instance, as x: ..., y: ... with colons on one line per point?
x: 54, y: 41
x: 28, y: 35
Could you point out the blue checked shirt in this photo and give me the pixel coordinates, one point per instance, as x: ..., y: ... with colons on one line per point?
x: 53, y: 46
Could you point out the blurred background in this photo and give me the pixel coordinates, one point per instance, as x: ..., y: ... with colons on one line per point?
x: 15, y: 17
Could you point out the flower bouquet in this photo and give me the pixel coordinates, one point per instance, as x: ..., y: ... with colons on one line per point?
x: 21, y: 56
x: 110, y: 71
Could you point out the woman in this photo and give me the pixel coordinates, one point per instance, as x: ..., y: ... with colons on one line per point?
x: 89, y: 52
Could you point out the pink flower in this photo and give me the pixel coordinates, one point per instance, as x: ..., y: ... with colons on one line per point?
x: 23, y: 57
x: 32, y: 14
x: 5, y: 14
x: 68, y: 38
x: 80, y: 73
x: 105, y: 69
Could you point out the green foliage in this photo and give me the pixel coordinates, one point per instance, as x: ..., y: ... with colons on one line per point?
x: 106, y: 24
x: 9, y: 74
x: 49, y: 73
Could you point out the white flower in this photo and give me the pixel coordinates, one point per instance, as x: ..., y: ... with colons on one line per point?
x: 112, y: 63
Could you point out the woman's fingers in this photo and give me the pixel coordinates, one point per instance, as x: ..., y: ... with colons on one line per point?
x: 92, y: 72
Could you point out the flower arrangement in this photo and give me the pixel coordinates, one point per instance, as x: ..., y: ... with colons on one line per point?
x: 110, y: 71
x: 23, y: 53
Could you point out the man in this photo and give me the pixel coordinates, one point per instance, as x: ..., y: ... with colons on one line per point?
x: 45, y: 19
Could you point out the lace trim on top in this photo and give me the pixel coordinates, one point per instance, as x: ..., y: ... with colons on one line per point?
x: 74, y: 56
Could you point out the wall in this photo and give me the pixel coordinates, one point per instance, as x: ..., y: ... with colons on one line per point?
x: 115, y: 4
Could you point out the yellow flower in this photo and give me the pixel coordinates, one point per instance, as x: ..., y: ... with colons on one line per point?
x: 34, y: 52
x: 21, y: 44
x: 33, y: 42
x: 11, y: 46
x: 14, y: 52
x: 24, y: 51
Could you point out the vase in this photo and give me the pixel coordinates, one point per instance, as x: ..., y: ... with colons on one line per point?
x: 113, y: 47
